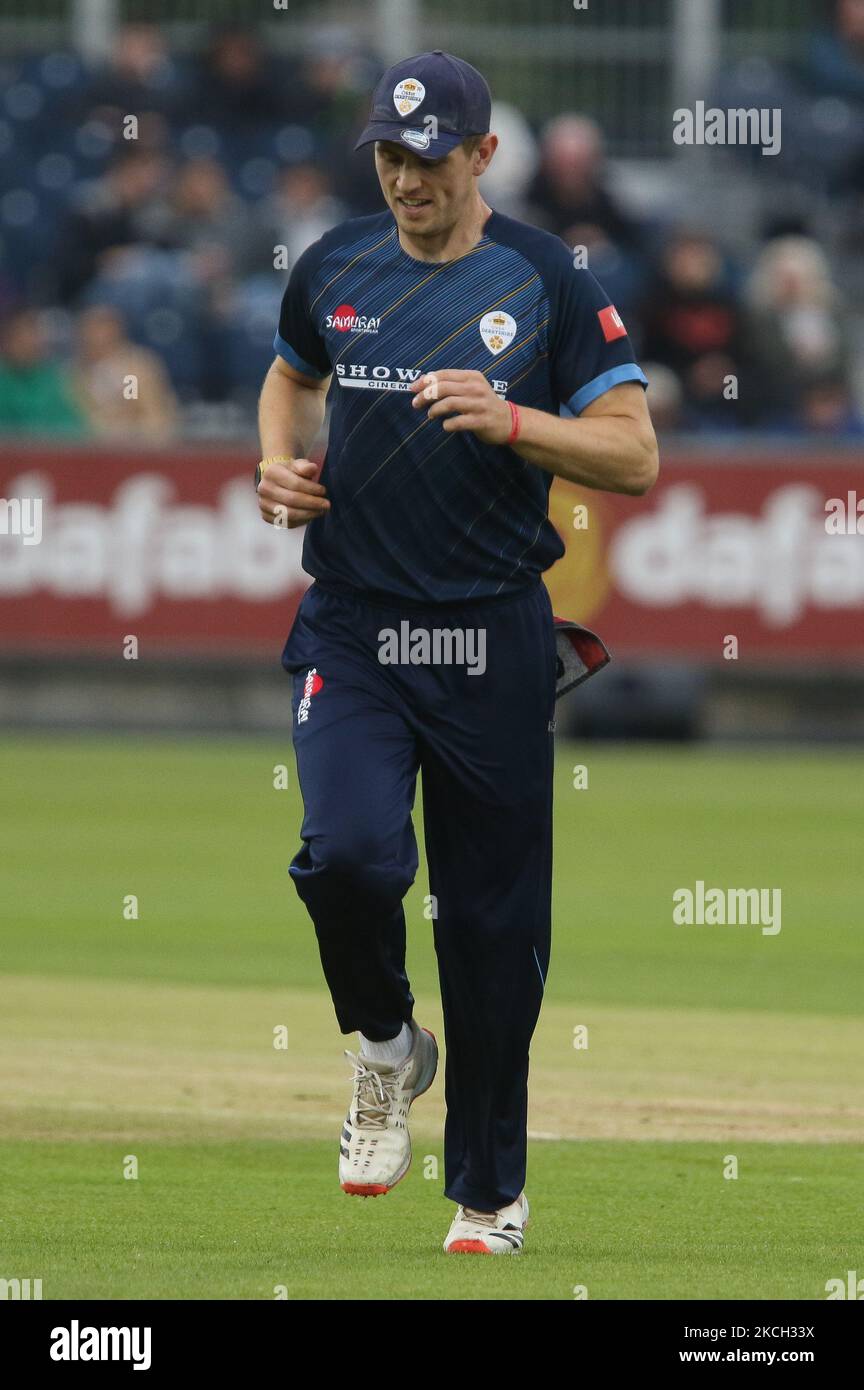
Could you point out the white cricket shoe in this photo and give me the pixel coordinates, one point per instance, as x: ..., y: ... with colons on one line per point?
x: 488, y: 1232
x: 375, y: 1148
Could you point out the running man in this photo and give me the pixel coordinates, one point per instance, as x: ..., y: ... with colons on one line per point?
x: 446, y: 337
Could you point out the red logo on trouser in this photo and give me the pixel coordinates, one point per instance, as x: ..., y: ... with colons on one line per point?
x: 311, y: 685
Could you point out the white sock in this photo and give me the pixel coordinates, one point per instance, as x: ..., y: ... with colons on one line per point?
x: 393, y: 1051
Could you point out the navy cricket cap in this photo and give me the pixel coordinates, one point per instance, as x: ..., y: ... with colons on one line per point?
x: 414, y: 90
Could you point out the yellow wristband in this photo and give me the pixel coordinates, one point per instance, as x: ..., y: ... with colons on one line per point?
x: 272, y: 458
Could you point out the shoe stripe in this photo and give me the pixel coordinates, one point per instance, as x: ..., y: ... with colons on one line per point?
x: 515, y: 1241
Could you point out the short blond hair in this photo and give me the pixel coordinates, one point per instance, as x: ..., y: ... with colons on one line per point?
x: 472, y: 143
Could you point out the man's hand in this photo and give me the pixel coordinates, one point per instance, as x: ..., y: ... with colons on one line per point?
x: 289, y: 496
x: 468, y: 402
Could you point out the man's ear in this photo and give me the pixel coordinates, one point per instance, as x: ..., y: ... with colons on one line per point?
x: 483, y: 152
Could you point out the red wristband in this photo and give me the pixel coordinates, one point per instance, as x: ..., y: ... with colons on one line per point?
x: 516, y: 423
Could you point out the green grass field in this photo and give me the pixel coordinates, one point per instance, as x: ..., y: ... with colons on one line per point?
x: 153, y: 1038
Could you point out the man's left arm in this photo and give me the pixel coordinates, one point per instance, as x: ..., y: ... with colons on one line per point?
x: 610, y: 445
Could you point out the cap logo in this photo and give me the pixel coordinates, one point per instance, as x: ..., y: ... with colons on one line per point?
x: 407, y: 95
x: 419, y: 139
x: 497, y: 330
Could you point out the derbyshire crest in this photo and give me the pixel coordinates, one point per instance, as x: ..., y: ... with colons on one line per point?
x: 407, y: 95
x: 497, y: 329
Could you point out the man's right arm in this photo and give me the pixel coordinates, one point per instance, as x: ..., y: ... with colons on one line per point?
x: 290, y: 415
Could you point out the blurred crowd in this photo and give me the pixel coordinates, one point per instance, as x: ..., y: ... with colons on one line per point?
x: 140, y: 278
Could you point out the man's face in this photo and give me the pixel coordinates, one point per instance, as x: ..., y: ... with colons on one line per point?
x: 427, y: 197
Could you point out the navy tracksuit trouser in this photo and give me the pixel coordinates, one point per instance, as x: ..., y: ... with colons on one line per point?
x: 363, y: 728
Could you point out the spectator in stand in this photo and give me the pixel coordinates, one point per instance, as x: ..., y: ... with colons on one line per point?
x: 301, y: 208
x: 335, y: 77
x: 834, y: 70
x: 237, y: 86
x: 36, y: 396
x: 835, y: 58
x: 117, y: 211
x: 624, y: 275
x: 827, y: 409
x: 351, y: 171
x: 205, y: 217
x: 213, y: 241
x: 122, y: 389
x: 693, y: 323
x: 506, y: 181
x: 138, y: 77
x: 336, y: 82
x: 797, y: 331
x: 665, y: 398
x: 570, y: 187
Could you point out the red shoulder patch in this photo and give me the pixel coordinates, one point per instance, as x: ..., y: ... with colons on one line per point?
x: 612, y: 323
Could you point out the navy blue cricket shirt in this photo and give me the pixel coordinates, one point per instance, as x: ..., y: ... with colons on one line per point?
x: 415, y: 511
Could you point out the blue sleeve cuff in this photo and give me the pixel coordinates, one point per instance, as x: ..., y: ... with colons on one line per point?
x: 295, y: 360
x: 614, y: 377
